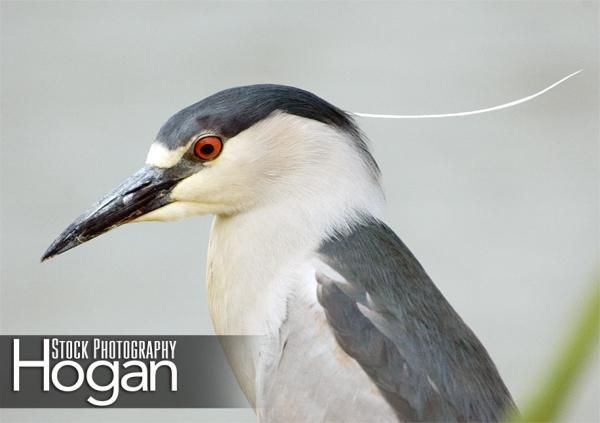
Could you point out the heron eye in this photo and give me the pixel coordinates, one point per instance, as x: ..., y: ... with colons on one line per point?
x: 208, y: 148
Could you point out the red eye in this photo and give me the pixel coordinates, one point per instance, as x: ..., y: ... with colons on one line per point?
x: 208, y: 148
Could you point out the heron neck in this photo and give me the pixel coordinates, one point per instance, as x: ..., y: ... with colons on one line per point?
x: 256, y: 258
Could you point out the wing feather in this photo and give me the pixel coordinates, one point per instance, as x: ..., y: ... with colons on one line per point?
x: 390, y: 317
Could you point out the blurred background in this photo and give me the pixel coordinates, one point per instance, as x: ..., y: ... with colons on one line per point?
x: 501, y: 209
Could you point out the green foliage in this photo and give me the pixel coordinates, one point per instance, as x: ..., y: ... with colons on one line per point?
x: 547, y: 403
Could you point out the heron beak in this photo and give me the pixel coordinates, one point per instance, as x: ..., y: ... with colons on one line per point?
x: 148, y: 189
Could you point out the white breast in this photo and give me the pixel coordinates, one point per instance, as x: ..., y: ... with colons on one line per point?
x: 251, y: 273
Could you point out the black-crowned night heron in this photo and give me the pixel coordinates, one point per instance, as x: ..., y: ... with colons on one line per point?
x: 355, y: 329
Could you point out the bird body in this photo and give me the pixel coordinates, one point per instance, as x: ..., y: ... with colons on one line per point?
x: 344, y: 323
x: 288, y: 371
x: 274, y: 248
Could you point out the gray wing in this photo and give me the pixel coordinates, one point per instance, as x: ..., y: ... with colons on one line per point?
x: 388, y: 315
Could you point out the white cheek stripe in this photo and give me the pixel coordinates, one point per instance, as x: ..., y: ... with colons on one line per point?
x: 160, y: 156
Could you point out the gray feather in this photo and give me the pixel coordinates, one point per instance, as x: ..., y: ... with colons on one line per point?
x: 398, y: 326
x: 307, y: 377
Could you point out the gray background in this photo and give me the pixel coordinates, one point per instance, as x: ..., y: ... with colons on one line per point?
x: 501, y: 209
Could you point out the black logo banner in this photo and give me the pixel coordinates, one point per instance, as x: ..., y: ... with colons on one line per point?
x: 118, y: 371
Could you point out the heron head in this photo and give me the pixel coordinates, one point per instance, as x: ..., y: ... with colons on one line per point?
x: 235, y: 150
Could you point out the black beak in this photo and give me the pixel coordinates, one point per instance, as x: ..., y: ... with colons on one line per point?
x: 148, y: 189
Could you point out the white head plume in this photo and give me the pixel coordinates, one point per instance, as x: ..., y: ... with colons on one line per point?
x: 471, y: 112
